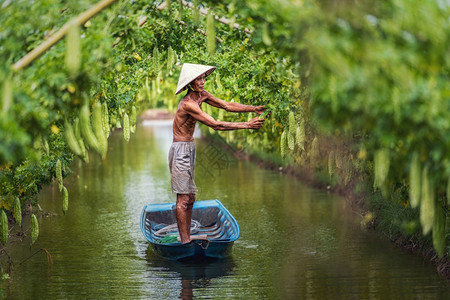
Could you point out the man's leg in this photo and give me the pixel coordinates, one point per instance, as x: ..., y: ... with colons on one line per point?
x: 184, y: 215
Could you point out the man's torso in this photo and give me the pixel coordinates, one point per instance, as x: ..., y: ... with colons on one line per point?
x: 184, y: 123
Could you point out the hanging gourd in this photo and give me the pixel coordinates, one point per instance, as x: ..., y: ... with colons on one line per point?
x: 17, y: 212
x: 71, y: 139
x: 414, y: 181
x: 65, y: 203
x: 97, y: 118
x: 210, y: 34
x: 427, y: 209
x: 86, y: 130
x: 105, y: 119
x: 381, y: 167
x: 34, y: 228
x: 4, y: 227
x: 315, y: 151
x: 73, y: 49
x: 331, y: 163
x: 58, y: 173
x: 283, y: 143
x: 439, y: 231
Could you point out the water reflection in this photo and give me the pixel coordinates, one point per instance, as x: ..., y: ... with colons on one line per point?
x: 193, y: 273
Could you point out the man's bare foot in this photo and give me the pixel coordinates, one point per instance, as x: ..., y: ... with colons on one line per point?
x: 179, y: 240
x: 194, y: 237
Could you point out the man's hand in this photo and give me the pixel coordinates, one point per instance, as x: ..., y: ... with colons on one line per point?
x: 255, y: 123
x: 259, y: 109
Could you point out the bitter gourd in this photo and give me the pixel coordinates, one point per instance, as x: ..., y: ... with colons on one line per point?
x: 17, y: 212
x: 210, y: 34
x: 86, y: 130
x: 71, y: 139
x: 34, y: 229
x: 300, y: 135
x: 427, y: 209
x: 73, y: 48
x: 105, y: 119
x: 283, y: 142
x: 439, y: 231
x: 65, y: 202
x: 126, y: 127
x: 4, y: 227
x: 381, y: 167
x: 414, y: 181
x: 58, y: 172
x: 331, y: 163
x: 290, y: 138
x: 99, y: 130
x: 315, y: 151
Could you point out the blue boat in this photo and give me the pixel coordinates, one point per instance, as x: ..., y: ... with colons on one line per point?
x: 209, y: 218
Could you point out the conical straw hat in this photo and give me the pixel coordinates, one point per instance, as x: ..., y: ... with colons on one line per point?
x: 191, y: 71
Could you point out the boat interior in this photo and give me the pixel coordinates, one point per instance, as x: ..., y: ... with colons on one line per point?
x: 210, y: 221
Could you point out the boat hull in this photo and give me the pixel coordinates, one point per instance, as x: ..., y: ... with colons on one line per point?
x: 216, y: 222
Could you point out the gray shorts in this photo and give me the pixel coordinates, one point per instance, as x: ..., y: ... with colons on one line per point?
x: 181, y: 165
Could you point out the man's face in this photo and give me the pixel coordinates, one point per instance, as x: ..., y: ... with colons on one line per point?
x: 199, y: 83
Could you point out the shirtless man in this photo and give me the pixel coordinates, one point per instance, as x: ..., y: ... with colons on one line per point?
x: 182, y: 151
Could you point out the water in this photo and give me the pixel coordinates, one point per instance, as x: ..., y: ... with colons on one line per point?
x: 296, y: 243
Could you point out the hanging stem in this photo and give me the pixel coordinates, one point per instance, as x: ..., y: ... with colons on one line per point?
x: 44, y: 46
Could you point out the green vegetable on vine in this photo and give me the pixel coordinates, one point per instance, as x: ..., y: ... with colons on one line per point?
x: 439, y: 231
x: 315, y: 151
x: 170, y: 59
x: 292, y: 123
x: 65, y: 198
x: 7, y: 95
x: 105, y: 119
x: 381, y: 167
x: 331, y: 163
x: 155, y: 60
x: 98, y: 126
x: 448, y: 191
x: 126, y: 127
x: 72, y: 140
x: 427, y: 206
x: 300, y: 135
x: 77, y: 133
x: 265, y: 114
x: 210, y: 34
x: 58, y: 172
x: 4, y: 227
x: 86, y: 130
x: 291, y: 138
x: 73, y: 49
x: 414, y: 181
x: 34, y: 229
x: 17, y: 211
x: 283, y: 142
x: 133, y: 120
x: 218, y: 82
x: 265, y: 35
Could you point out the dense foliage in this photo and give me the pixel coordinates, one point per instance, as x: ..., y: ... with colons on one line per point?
x: 368, y: 74
x: 381, y: 76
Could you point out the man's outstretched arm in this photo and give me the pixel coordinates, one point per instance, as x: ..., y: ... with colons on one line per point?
x: 232, y: 106
x: 194, y: 110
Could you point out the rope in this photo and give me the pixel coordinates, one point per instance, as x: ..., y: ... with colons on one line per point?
x: 195, y: 227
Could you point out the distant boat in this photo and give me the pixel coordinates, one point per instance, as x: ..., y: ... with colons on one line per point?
x: 211, y: 222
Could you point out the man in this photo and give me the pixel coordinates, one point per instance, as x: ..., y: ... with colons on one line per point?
x: 182, y: 151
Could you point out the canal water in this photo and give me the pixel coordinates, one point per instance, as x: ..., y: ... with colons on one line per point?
x: 296, y: 242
